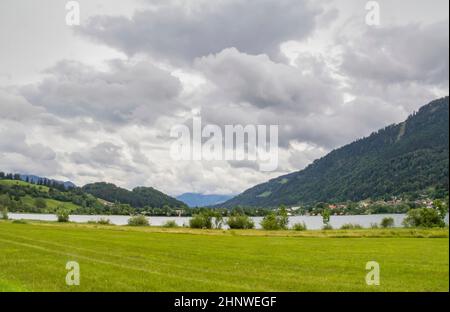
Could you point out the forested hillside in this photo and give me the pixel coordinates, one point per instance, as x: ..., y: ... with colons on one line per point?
x: 403, y: 159
x: 139, y: 197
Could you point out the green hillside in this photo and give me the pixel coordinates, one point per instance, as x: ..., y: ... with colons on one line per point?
x: 21, y: 196
x: 23, y: 184
x: 139, y: 197
x: 98, y: 198
x: 407, y: 158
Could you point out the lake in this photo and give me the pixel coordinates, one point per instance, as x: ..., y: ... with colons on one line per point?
x: 313, y: 223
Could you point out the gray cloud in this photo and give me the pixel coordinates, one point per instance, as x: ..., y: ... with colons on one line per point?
x: 258, y: 81
x: 17, y: 153
x: 399, y: 54
x: 103, y: 154
x: 184, y: 30
x: 127, y: 93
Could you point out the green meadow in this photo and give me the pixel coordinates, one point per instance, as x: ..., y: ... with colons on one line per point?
x: 23, y: 183
x: 33, y: 257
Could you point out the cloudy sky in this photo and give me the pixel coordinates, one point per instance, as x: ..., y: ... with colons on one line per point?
x: 96, y: 102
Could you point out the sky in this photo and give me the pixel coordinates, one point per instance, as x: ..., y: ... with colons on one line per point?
x: 96, y: 101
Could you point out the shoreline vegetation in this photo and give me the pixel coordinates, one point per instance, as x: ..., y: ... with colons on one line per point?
x: 46, y: 197
x: 333, y: 233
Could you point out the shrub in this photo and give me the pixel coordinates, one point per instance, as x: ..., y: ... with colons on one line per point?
x: 201, y: 221
x: 299, y: 227
x: 242, y: 222
x: 387, y: 223
x: 276, y: 221
x: 40, y: 203
x: 62, y: 214
x: 270, y: 223
x: 5, y: 214
x: 423, y: 217
x: 374, y: 226
x: 20, y: 222
x: 138, y: 221
x: 104, y: 222
x: 326, y: 216
x: 350, y: 226
x: 170, y: 224
x: 327, y: 227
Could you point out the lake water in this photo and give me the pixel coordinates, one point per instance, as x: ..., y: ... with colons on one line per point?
x: 313, y: 223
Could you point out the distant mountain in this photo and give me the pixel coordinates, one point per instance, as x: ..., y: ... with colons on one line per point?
x: 200, y: 200
x: 35, y: 179
x: 139, y: 197
x: 406, y: 158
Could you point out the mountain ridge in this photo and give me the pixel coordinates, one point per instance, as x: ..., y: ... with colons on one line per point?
x: 402, y: 158
x: 202, y: 200
x: 139, y: 197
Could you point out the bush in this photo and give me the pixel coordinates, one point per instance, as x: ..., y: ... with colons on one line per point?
x: 374, y: 226
x: 424, y: 218
x: 327, y: 227
x: 5, y: 214
x: 170, y: 224
x: 62, y: 214
x: 350, y: 226
x: 276, y: 221
x: 270, y: 223
x: 20, y: 222
x: 299, y: 227
x: 387, y: 223
x: 138, y: 221
x: 104, y: 222
x: 201, y: 221
x: 242, y: 222
x: 326, y: 216
x: 40, y: 203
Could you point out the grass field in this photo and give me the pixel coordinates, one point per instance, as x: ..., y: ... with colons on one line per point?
x: 23, y: 183
x: 33, y: 257
x: 52, y: 204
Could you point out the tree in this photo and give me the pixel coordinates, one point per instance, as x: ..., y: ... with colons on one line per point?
x: 63, y: 214
x: 40, y: 203
x: 276, y: 221
x: 441, y: 208
x: 387, y: 223
x: 241, y: 222
x: 423, y: 218
x: 138, y: 221
x: 326, y: 216
x: 4, y: 212
x: 283, y: 217
x: 201, y: 221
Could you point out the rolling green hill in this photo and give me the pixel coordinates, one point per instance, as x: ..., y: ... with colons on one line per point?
x: 139, y: 197
x: 406, y: 158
